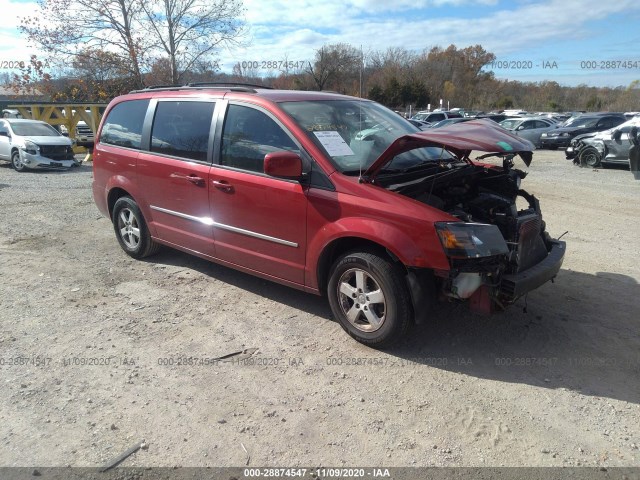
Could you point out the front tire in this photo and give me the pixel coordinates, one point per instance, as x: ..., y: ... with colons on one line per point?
x: 369, y: 297
x: 16, y: 162
x: 590, y: 157
x: 131, y: 229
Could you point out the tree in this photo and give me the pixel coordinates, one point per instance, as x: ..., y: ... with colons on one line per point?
x: 594, y: 103
x: 462, y: 67
x: 504, y: 103
x: 336, y: 66
x: 69, y: 29
x: 189, y: 31
x: 376, y: 94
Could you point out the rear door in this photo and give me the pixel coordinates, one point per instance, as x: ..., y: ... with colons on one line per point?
x: 259, y: 221
x: 174, y: 172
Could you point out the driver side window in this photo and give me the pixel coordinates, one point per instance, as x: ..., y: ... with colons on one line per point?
x: 250, y: 134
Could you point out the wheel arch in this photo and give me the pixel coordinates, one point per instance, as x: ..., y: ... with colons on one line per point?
x: 339, y: 246
x: 113, y: 196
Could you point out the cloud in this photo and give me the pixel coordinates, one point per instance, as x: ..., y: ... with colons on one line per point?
x: 279, y: 30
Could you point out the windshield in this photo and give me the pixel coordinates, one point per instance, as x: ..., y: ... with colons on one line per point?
x: 35, y: 129
x: 585, y: 122
x: 354, y: 133
x: 510, y: 124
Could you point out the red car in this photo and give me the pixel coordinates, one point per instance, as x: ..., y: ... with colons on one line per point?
x: 330, y: 194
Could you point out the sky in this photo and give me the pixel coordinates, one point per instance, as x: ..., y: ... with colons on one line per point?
x: 590, y: 42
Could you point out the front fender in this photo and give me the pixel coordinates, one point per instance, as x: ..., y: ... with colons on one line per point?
x: 414, y: 248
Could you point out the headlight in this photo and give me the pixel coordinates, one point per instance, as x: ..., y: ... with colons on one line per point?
x: 464, y: 240
x: 30, y: 147
x: 565, y: 134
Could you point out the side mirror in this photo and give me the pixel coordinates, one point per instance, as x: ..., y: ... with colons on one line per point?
x: 283, y: 164
x: 64, y: 134
x: 617, y: 134
x: 521, y: 127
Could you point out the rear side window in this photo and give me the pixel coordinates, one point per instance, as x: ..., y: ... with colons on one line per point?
x: 181, y: 129
x: 123, y: 125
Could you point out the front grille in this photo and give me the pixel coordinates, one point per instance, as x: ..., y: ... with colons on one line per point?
x: 56, y: 152
x: 82, y: 130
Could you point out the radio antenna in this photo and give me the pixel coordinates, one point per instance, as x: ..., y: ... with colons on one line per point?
x: 360, y: 106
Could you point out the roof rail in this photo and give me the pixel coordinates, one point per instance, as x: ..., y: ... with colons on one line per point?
x: 235, y: 87
x: 227, y: 84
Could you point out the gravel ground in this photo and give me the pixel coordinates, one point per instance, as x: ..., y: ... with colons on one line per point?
x: 92, y: 349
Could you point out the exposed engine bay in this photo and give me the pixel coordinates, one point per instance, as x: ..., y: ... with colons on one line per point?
x: 480, y: 194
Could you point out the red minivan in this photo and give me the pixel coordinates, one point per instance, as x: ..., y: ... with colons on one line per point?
x: 327, y: 193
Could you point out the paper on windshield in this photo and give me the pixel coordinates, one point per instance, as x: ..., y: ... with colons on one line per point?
x: 333, y: 143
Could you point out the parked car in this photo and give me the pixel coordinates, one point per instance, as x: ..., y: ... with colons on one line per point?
x: 561, y: 136
x: 529, y: 128
x: 603, y: 148
x: 421, y: 125
x: 449, y: 121
x: 84, y: 134
x: 286, y: 186
x: 11, y: 113
x: 32, y: 144
x: 496, y: 117
x: 433, y: 117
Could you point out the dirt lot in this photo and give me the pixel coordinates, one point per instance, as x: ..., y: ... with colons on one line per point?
x: 92, y: 342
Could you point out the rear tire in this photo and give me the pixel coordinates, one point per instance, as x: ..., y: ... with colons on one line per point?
x: 368, y: 295
x: 131, y: 229
x: 590, y: 157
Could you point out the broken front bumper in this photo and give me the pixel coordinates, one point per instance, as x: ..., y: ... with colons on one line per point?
x: 516, y: 285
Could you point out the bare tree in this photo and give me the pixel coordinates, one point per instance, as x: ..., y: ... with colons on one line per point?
x: 188, y: 31
x: 69, y: 29
x: 336, y: 66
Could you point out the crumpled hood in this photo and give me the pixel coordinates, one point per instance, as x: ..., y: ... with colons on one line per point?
x: 459, y: 138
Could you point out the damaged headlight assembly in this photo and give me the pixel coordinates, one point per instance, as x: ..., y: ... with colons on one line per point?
x: 471, y: 240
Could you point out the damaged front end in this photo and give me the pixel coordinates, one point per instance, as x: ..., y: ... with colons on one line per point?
x: 497, y: 251
x: 496, y: 241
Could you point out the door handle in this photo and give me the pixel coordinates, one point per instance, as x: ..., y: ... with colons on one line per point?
x: 196, y: 180
x: 222, y: 185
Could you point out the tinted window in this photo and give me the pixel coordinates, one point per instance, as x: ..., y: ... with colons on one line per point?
x: 248, y: 136
x: 123, y: 126
x: 181, y: 129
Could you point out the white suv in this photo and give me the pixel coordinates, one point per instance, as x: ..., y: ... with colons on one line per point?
x: 433, y: 117
x: 34, y: 144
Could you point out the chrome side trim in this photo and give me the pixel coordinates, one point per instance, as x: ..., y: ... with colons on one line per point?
x: 255, y: 234
x: 242, y: 231
x: 204, y: 220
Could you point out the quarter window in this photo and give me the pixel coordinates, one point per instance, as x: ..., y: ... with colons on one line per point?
x: 248, y: 136
x: 181, y: 129
x: 123, y: 125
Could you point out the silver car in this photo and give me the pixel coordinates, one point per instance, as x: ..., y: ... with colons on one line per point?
x: 529, y: 128
x: 34, y: 144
